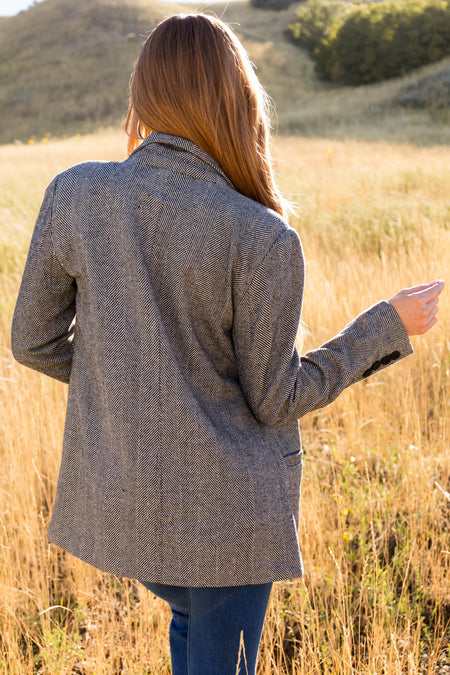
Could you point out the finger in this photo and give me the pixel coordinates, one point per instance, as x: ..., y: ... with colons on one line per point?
x: 432, y: 303
x: 430, y: 323
x: 430, y: 292
x: 422, y: 287
x: 432, y: 312
x: 414, y: 289
x: 423, y: 327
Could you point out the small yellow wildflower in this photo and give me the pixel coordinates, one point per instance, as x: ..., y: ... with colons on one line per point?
x: 31, y: 141
x: 45, y: 139
x: 347, y: 536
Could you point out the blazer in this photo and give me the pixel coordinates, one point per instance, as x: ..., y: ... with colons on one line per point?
x: 170, y: 303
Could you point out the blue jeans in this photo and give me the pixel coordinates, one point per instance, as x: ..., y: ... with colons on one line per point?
x: 205, y: 631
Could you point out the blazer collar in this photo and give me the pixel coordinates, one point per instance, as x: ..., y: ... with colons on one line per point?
x: 180, y: 154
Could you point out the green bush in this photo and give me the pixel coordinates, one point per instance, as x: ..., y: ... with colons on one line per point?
x: 383, y: 40
x: 271, y: 4
x: 313, y: 21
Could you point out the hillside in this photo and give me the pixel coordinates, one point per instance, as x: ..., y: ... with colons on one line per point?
x: 65, y: 67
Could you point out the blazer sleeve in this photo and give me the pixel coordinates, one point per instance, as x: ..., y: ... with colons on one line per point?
x: 44, y: 317
x: 281, y: 386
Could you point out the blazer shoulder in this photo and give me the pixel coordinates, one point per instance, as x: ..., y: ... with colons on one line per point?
x: 74, y: 185
x: 252, y: 220
x: 260, y: 226
x: 258, y: 233
x: 85, y: 171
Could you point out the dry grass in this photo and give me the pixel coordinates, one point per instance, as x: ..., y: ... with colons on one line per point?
x: 375, y: 519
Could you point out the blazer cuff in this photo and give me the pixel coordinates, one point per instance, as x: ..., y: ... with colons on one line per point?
x: 387, y: 324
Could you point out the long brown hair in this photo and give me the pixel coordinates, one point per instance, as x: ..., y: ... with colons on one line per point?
x: 194, y: 79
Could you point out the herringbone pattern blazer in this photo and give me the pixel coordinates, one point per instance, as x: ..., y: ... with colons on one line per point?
x: 170, y: 303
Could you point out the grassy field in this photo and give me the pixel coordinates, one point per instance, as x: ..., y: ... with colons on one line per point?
x: 375, y: 524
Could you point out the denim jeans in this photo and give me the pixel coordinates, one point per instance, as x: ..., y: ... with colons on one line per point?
x: 206, y: 626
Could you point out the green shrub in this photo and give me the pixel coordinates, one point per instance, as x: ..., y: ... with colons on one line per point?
x: 271, y: 4
x: 313, y: 22
x: 383, y: 40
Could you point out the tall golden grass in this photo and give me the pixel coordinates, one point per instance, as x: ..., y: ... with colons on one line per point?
x: 375, y: 520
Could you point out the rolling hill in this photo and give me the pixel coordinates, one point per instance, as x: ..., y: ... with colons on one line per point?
x: 65, y: 67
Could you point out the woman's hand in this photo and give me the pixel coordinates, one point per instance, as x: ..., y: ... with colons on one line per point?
x: 417, y: 306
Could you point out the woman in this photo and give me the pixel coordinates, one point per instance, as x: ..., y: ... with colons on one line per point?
x: 182, y: 459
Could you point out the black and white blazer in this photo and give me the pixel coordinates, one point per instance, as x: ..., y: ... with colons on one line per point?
x: 170, y: 303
